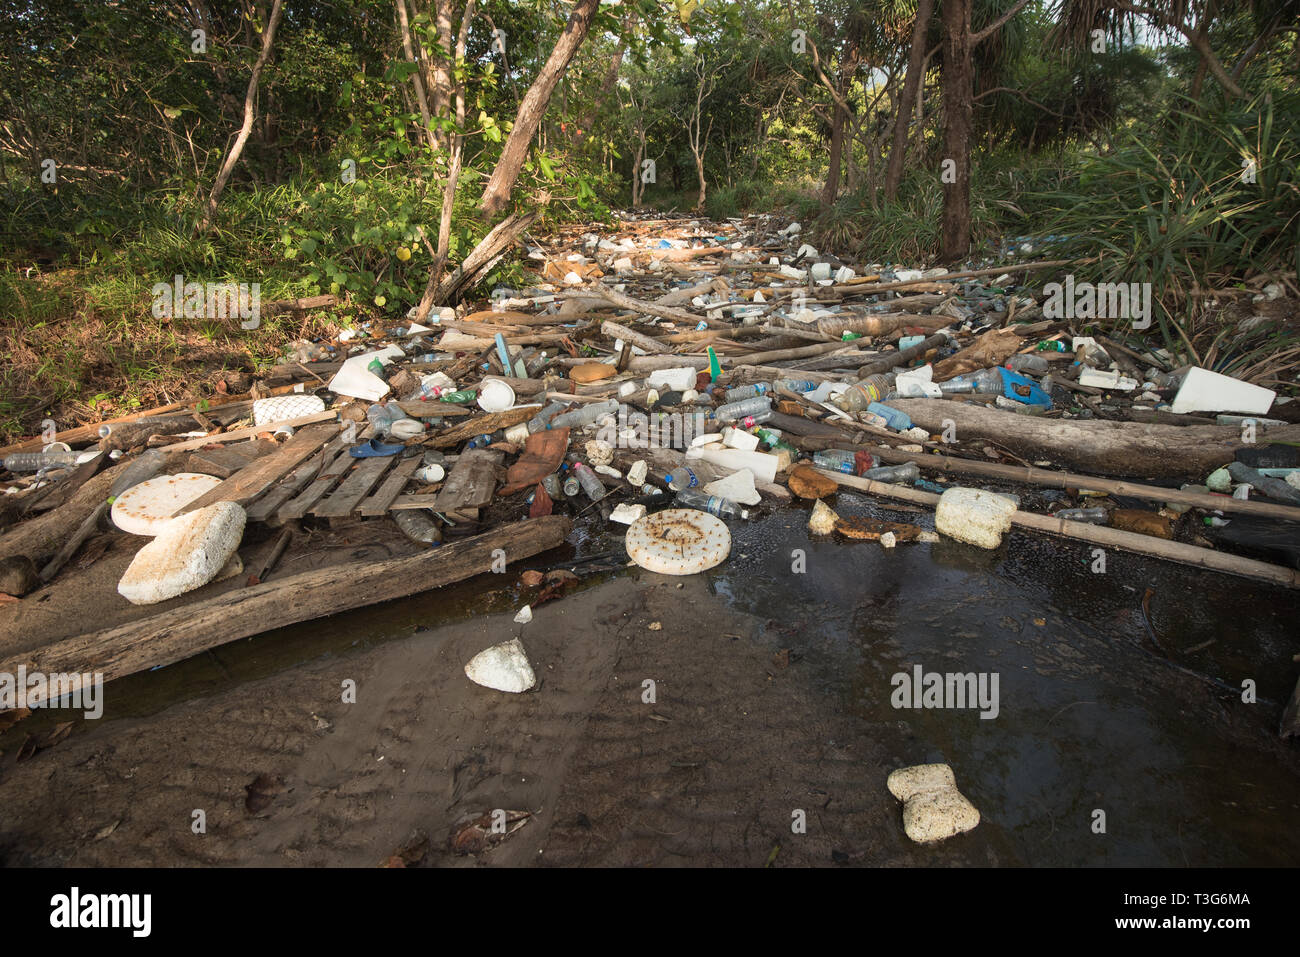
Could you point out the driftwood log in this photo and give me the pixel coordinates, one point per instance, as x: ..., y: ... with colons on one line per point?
x: 189, y: 628
x: 1122, y: 449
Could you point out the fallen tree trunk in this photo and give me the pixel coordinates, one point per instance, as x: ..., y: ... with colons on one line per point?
x: 188, y: 629
x: 40, y: 538
x: 1123, y: 449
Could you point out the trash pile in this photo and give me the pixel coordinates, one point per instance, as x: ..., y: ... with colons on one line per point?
x: 666, y: 378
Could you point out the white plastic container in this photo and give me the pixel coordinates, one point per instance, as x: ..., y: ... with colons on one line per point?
x: 676, y: 380
x: 974, y: 516
x: 763, y: 465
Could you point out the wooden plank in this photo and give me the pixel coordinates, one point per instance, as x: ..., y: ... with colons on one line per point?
x: 250, y: 482
x: 252, y: 430
x: 229, y: 459
x: 192, y: 627
x: 471, y: 481
x: 378, y: 503
x: 414, y: 501
x: 355, y: 487
x: 265, y: 508
x: 332, y: 473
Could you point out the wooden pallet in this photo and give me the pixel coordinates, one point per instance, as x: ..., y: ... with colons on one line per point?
x: 363, y: 477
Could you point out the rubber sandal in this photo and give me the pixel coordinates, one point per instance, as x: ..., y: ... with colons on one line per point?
x: 374, y: 449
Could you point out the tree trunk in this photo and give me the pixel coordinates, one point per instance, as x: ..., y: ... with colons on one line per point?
x: 1122, y: 449
x: 250, y: 110
x: 832, y: 187
x: 533, y: 107
x: 440, y: 94
x: 958, y: 109
x: 911, y: 89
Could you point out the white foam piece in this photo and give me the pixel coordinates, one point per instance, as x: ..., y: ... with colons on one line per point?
x: 1103, y: 379
x: 1206, y: 391
x: 145, y: 509
x: 974, y: 516
x: 737, y: 487
x: 821, y: 271
x: 678, y: 541
x: 190, y: 552
x: 677, y: 380
x: 503, y: 667
x: 933, y: 808
x: 626, y: 514
x: 739, y: 439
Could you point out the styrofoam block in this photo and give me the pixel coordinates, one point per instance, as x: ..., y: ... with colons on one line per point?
x: 974, y: 516
x: 1206, y: 391
x: 147, y: 508
x: 187, y: 554
x: 738, y: 487
x: 503, y: 667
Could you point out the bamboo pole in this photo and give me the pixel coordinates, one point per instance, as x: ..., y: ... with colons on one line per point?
x: 1100, y: 535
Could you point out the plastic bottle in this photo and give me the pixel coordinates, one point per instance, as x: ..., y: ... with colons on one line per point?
x: 835, y: 460
x: 553, y: 485
x: 1094, y: 516
x: 739, y: 410
x: 1052, y: 345
x: 430, y: 357
x: 721, y: 507
x: 417, y: 526
x: 571, y: 486
x: 538, y: 422
x: 584, y: 416
x: 482, y: 441
x: 745, y: 392
x: 464, y: 395
x: 864, y: 392
x: 795, y: 385
x: 693, y: 475
x: 35, y: 461
x: 1029, y: 364
x: 894, y: 418
x: 904, y: 474
x: 382, y: 417
x: 988, y: 381
x: 592, y: 486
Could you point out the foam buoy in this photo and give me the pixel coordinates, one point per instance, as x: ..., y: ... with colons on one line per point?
x: 503, y: 667
x: 190, y: 552
x: 678, y: 541
x: 146, y: 508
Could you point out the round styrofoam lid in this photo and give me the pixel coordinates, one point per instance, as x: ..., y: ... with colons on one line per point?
x: 495, y: 396
x: 678, y: 541
x: 146, y: 508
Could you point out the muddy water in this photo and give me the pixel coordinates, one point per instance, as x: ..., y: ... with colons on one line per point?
x: 1097, y: 709
x: 1092, y: 715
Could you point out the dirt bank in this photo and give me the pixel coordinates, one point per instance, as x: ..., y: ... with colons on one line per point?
x: 738, y: 738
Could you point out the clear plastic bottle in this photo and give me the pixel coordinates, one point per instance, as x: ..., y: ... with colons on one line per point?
x: 1094, y: 516
x: 35, y: 461
x: 987, y: 381
x: 745, y: 407
x: 553, y: 485
x: 835, y: 460
x: 904, y: 474
x: 584, y: 416
x: 796, y: 385
x: 1029, y: 364
x: 382, y: 417
x: 592, y: 486
x: 745, y: 392
x: 538, y: 422
x: 860, y: 395
x: 571, y: 486
x: 721, y: 507
x: 693, y: 475
x: 417, y: 526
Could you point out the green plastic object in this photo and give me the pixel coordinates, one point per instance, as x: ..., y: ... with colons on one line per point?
x: 715, y: 367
